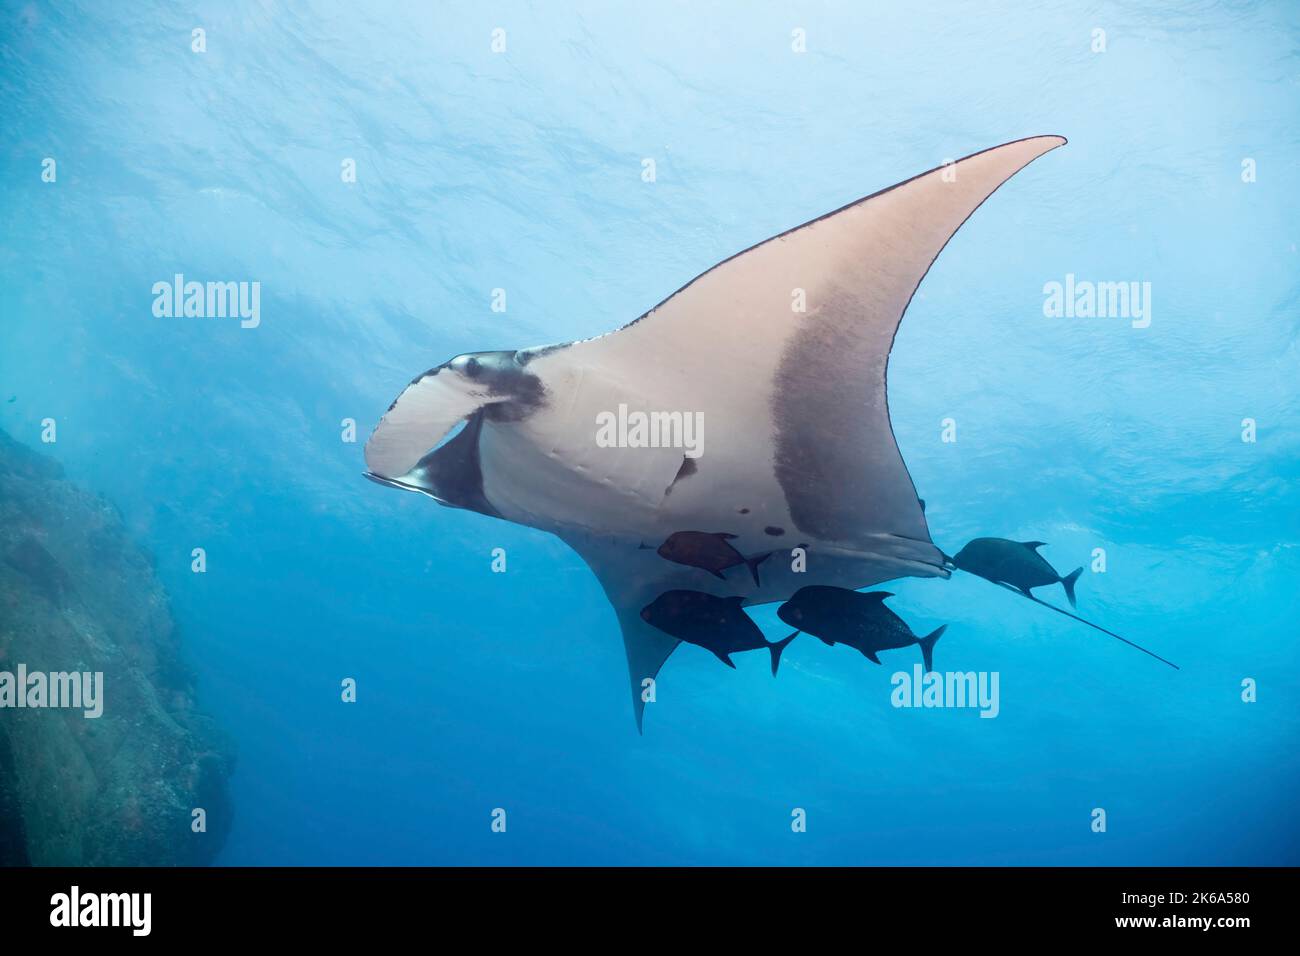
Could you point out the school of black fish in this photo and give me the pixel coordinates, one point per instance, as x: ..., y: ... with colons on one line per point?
x: 834, y: 615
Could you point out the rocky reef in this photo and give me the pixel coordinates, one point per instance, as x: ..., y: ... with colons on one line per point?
x: 77, y: 596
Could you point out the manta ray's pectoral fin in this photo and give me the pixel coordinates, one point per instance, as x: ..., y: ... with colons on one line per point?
x: 800, y: 394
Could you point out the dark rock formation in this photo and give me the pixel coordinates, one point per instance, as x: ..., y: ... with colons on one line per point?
x: 77, y: 595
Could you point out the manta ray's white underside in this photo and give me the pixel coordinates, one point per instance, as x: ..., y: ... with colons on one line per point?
x: 797, y: 444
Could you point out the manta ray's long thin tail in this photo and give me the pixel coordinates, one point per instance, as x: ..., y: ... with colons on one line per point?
x: 1061, y: 610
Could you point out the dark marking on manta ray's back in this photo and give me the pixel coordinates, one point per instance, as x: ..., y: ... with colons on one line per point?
x: 860, y: 620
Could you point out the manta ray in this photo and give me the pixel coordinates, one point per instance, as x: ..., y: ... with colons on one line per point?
x: 799, y: 449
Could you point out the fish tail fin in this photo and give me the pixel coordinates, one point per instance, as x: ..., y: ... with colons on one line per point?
x: 753, y: 563
x: 927, y: 646
x: 777, y: 648
x: 1068, y: 581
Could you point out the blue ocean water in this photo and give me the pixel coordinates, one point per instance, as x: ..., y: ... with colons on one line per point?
x: 522, y: 170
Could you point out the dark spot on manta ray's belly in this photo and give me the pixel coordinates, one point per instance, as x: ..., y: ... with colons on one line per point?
x: 744, y: 511
x: 774, y: 531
